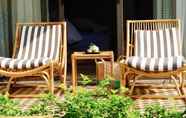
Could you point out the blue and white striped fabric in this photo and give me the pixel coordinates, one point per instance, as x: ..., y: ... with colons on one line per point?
x: 156, y: 64
x: 157, y: 50
x: 38, y: 45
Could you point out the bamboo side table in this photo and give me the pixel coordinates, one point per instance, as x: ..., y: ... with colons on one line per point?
x: 84, y: 56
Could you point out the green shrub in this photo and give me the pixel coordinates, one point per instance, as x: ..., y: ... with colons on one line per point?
x: 47, y: 105
x: 44, y: 106
x: 9, y: 107
x: 157, y: 111
x: 101, y: 102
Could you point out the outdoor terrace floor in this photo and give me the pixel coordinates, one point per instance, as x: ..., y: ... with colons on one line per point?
x: 178, y: 104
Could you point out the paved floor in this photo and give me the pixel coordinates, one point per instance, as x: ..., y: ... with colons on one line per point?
x: 178, y: 104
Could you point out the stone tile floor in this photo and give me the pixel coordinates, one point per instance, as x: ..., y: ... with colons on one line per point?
x: 178, y: 104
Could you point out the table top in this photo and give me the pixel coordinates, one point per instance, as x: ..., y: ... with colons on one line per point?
x: 102, y: 53
x: 84, y: 55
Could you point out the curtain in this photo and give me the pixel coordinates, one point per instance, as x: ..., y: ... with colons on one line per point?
x: 27, y: 11
x: 4, y: 43
x: 181, y: 14
x: 164, y: 9
x: 184, y: 27
x: 173, y: 9
x: 13, y: 11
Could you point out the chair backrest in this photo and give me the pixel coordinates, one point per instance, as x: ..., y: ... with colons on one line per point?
x: 40, y: 40
x: 153, y: 38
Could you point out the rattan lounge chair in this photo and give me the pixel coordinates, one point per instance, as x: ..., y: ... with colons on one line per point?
x: 39, y: 50
x: 154, y: 50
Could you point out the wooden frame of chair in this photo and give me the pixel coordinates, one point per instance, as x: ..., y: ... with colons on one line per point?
x: 46, y: 71
x: 132, y: 73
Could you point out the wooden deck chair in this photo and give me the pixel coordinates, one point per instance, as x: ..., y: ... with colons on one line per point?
x: 154, y: 50
x: 39, y: 50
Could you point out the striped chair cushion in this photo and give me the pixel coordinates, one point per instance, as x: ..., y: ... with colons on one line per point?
x: 157, y: 43
x: 9, y: 63
x: 38, y: 45
x: 157, y: 50
x: 39, y: 42
x: 155, y: 64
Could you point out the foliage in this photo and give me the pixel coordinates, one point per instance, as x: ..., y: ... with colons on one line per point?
x: 9, y: 107
x: 101, y: 102
x: 46, y: 105
x: 85, y: 79
x: 157, y: 111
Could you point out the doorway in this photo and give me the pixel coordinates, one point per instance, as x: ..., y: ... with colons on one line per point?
x: 138, y: 9
x: 95, y: 21
x: 135, y: 10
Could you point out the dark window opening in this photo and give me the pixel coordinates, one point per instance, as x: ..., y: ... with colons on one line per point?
x: 138, y: 9
x: 89, y: 21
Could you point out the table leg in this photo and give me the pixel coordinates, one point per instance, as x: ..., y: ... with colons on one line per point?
x: 112, y: 66
x: 74, y: 74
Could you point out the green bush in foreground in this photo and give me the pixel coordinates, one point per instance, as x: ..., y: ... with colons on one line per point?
x: 101, y: 102
x: 157, y: 111
x: 9, y: 107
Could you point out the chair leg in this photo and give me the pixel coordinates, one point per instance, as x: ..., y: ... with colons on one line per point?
x: 8, y: 86
x: 122, y: 71
x: 181, y: 79
x: 179, y: 76
x: 46, y: 78
x: 123, y: 82
x: 51, y: 79
x: 64, y: 82
x: 65, y: 77
x: 52, y: 84
x: 131, y: 76
x: 181, y: 83
x: 177, y: 85
x: 124, y: 78
x: 133, y: 84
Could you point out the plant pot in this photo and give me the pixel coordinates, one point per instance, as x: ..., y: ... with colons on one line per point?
x: 115, y: 84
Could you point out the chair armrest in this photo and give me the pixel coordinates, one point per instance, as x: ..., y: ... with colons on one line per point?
x: 121, y: 59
